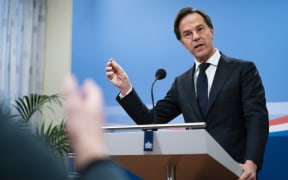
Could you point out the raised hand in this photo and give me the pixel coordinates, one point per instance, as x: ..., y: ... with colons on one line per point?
x: 85, y: 117
x: 118, y: 76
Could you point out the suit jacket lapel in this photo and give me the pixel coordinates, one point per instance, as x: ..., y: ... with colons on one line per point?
x: 222, y: 73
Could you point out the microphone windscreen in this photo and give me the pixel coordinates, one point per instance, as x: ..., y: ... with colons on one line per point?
x: 160, y: 74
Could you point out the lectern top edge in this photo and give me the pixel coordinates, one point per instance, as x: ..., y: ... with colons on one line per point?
x: 194, y: 125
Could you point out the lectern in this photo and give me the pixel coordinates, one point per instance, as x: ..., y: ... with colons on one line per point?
x: 177, y: 154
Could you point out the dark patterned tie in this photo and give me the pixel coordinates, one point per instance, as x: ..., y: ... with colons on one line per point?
x: 202, y: 88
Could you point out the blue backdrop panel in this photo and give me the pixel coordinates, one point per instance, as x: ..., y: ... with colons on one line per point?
x: 139, y: 35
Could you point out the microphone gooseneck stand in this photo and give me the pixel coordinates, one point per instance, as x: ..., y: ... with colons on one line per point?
x: 160, y: 74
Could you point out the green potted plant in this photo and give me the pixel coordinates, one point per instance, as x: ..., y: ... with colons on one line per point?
x: 53, y: 133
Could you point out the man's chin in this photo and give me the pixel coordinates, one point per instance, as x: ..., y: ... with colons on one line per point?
x: 201, y: 57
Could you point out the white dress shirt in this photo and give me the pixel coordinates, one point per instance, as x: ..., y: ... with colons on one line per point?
x: 210, y: 71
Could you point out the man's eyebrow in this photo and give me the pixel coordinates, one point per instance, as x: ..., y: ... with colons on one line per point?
x: 200, y: 25
x: 189, y: 30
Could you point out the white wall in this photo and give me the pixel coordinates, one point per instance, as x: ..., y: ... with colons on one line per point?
x: 57, y: 52
x: 58, y: 44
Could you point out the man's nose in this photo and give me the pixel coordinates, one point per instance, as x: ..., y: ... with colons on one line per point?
x: 196, y: 36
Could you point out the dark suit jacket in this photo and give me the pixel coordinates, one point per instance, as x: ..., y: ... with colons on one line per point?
x: 237, y: 116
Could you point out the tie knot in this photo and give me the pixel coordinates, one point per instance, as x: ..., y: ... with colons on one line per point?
x: 204, y: 66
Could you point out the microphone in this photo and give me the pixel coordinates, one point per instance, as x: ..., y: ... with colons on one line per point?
x: 160, y: 74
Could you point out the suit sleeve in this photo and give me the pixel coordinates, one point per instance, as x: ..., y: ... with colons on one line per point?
x: 165, y: 109
x: 255, y: 113
x: 135, y: 108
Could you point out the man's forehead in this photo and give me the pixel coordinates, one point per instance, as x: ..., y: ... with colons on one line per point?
x: 191, y: 23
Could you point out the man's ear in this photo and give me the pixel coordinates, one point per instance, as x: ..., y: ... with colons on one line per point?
x: 212, y: 33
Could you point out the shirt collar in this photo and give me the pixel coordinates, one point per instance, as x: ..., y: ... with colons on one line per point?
x: 213, y: 60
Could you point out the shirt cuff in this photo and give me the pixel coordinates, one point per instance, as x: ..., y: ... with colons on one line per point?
x: 122, y: 96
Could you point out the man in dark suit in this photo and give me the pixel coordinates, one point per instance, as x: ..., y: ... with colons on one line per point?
x: 233, y: 105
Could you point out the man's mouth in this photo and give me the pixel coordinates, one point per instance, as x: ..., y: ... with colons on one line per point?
x: 197, y: 46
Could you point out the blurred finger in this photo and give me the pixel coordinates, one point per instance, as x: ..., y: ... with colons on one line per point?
x: 71, y: 94
x: 70, y: 86
x: 92, y: 93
